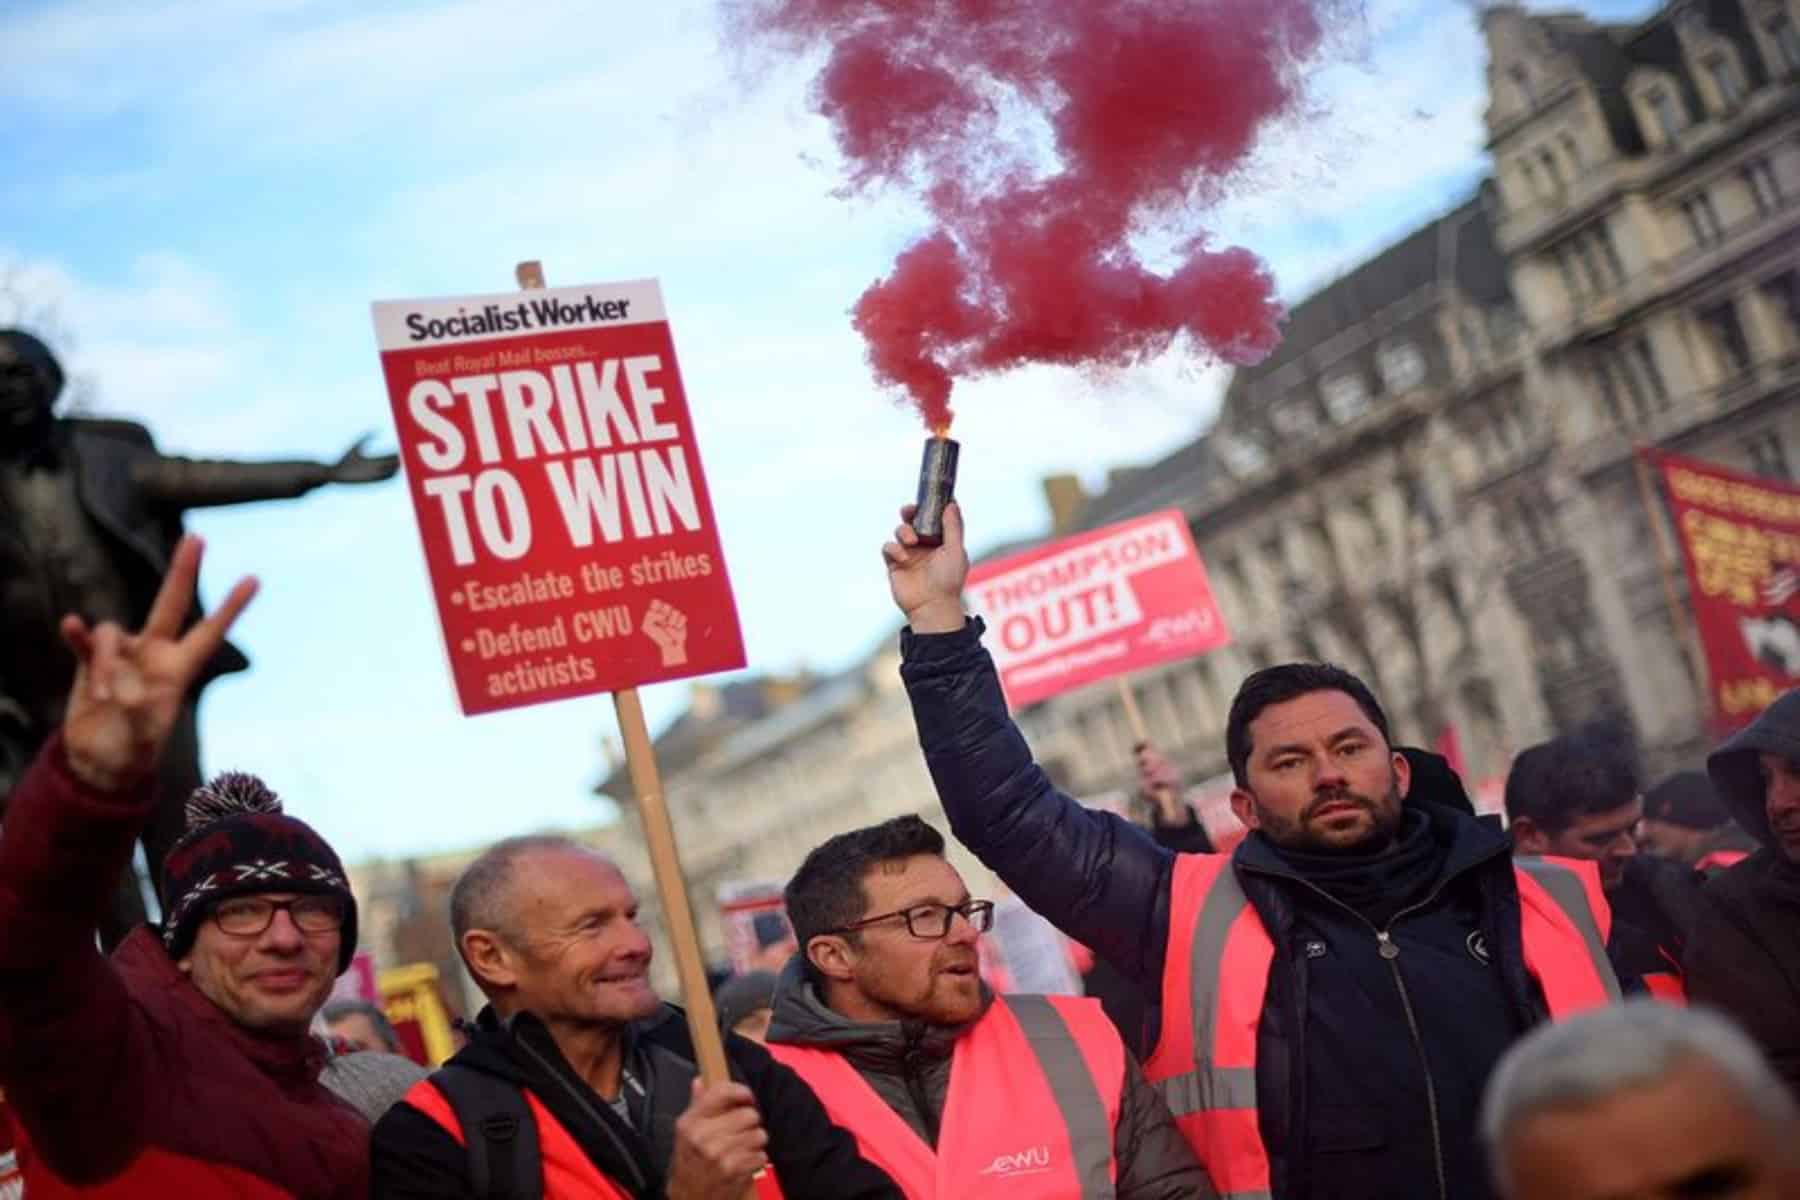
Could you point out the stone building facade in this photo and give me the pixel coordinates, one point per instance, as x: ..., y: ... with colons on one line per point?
x: 1433, y: 482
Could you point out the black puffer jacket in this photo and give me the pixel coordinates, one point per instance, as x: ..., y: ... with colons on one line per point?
x: 1744, y: 956
x: 415, y: 1157
x: 908, y: 1065
x: 1344, y: 1083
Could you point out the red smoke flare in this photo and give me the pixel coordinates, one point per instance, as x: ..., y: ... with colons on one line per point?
x: 1149, y: 105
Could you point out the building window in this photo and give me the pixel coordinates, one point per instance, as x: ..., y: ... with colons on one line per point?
x: 1768, y: 457
x: 1530, y: 175
x: 1565, y: 262
x: 1609, y: 396
x: 1725, y: 78
x: 1294, y: 417
x: 1346, y: 397
x: 1786, y: 39
x: 1242, y: 456
x: 1572, y: 148
x: 1402, y: 366
x: 1668, y: 116
x: 1727, y: 333
x: 1552, y: 172
x: 1702, y: 219
x: 1783, y: 292
x: 1765, y: 189
x: 1641, y: 372
x: 1522, y: 80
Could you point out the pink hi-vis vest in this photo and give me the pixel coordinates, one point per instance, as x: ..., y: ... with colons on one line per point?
x: 1034, y: 1095
x: 1216, y: 975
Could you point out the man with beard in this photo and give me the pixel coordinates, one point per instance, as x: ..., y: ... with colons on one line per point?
x: 1744, y: 956
x: 1577, y: 796
x: 1335, y: 992
x: 949, y: 1089
x: 578, y: 1081
x: 90, y: 513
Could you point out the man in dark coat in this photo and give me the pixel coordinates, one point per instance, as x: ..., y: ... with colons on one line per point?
x: 1744, y: 955
x: 574, y: 1036
x: 1385, y: 947
x: 89, y: 515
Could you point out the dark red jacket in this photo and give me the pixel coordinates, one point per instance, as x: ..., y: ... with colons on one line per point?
x: 119, y: 1072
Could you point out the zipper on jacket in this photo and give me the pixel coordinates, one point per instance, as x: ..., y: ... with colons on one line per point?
x: 915, y: 1084
x: 1389, y: 953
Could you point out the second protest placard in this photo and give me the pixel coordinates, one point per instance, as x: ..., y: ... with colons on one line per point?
x: 1096, y: 605
x: 556, y: 478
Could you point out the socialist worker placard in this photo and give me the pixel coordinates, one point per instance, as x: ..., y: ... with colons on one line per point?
x: 555, y: 473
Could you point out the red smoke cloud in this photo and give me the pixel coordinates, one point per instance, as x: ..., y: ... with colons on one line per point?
x: 1042, y: 135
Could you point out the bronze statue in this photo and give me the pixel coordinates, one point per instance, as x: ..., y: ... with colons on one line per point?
x: 89, y: 514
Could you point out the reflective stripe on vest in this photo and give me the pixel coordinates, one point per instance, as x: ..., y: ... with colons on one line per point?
x: 568, y: 1171
x: 1034, y: 1096
x: 1216, y: 978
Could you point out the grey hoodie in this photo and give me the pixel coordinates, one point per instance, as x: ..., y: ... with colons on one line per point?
x: 1733, y: 767
x: 908, y: 1065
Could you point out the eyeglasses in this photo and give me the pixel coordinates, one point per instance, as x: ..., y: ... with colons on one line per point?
x: 248, y: 916
x: 931, y: 922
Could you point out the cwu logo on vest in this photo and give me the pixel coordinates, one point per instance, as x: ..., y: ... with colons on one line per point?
x: 1035, y: 1161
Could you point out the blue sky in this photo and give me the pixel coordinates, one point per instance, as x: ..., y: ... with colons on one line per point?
x: 208, y: 194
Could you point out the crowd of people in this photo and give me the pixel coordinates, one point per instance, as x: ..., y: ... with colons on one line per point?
x: 1376, y: 993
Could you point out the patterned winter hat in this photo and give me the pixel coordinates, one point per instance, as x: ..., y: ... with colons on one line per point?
x: 239, y: 843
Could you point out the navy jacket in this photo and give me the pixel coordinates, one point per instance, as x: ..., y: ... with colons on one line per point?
x: 1348, y: 1079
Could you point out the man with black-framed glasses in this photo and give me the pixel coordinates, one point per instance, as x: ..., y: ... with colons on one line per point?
x: 951, y: 1090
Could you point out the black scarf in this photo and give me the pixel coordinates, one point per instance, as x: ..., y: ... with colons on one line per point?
x: 1379, y: 884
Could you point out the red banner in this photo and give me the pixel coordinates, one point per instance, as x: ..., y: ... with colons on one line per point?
x: 557, y: 483
x: 1740, y: 536
x: 1095, y: 605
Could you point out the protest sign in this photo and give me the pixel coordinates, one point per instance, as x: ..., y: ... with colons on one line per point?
x: 1096, y: 605
x: 1740, y: 538
x: 756, y: 927
x: 556, y: 478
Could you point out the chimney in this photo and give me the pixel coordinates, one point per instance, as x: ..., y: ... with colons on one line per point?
x: 1066, y: 498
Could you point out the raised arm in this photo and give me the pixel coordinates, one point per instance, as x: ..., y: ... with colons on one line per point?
x: 67, y: 837
x: 200, y: 483
x: 1096, y: 877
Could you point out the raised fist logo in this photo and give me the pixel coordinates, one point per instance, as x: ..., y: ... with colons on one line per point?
x: 668, y: 629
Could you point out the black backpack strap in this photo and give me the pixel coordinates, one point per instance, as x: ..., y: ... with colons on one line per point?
x: 499, y: 1131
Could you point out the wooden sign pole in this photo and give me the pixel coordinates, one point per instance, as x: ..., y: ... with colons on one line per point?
x: 659, y: 835
x: 1164, y: 796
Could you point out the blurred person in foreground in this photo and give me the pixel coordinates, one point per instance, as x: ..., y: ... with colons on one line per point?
x: 1744, y: 957
x: 1335, y: 991
x: 1643, y: 1101
x: 1577, y: 796
x: 952, y: 1090
x: 1685, y: 822
x: 183, y: 1065
x: 578, y: 1081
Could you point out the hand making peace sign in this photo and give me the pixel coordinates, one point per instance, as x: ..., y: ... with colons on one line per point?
x: 129, y: 686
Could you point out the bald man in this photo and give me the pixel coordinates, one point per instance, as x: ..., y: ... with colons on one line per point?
x: 577, y: 1080
x: 1643, y: 1101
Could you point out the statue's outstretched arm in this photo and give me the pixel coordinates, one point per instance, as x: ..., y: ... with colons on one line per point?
x: 198, y: 483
